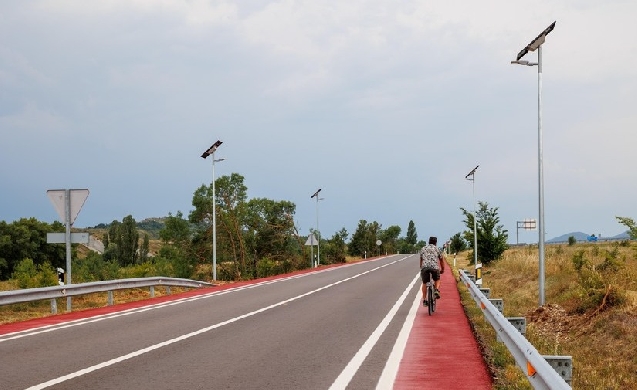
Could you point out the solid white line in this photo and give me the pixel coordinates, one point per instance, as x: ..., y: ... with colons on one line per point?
x: 390, y: 371
x: 354, y: 365
x: 133, y: 354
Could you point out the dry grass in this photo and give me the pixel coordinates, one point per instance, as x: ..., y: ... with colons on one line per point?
x: 28, y: 311
x: 590, y: 311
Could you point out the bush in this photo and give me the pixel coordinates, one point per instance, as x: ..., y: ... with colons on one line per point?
x: 29, y: 275
x: 182, y: 267
x: 267, y: 267
x: 571, y: 241
x: 599, y: 287
x: 94, y: 268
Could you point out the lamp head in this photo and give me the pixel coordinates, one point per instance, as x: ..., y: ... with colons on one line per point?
x: 211, y: 149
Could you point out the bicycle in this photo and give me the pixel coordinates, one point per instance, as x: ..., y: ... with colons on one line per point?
x: 431, y: 298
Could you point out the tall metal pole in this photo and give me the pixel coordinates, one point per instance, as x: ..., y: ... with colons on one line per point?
x: 214, y: 222
x: 311, y: 250
x: 540, y: 175
x: 536, y: 44
x: 475, y: 223
x: 318, y: 245
x: 472, y: 176
x: 211, y: 152
x: 67, y: 211
x: 316, y: 194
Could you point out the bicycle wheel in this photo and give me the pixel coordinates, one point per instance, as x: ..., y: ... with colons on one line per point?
x: 431, y: 300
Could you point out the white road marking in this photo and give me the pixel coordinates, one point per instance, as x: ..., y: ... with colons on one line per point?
x: 354, y: 365
x: 186, y: 336
x: 101, y: 317
x: 388, y: 377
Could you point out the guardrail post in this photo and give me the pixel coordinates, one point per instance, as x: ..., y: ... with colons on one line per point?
x: 54, y: 306
x: 563, y: 365
x: 110, y: 298
x: 519, y: 323
x: 167, y: 290
x: 152, y: 291
x: 486, y: 292
x: 498, y: 303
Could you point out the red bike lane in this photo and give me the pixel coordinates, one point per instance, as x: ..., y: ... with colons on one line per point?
x: 441, y: 351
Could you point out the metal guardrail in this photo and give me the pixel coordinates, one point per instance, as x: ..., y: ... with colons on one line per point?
x: 68, y: 290
x: 539, y: 372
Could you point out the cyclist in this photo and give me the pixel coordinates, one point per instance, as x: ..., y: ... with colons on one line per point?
x: 431, y: 266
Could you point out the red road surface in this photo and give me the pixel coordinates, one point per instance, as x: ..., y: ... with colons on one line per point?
x: 442, y: 352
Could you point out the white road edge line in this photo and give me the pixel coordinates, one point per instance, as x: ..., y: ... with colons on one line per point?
x: 186, y: 336
x: 354, y: 365
x: 388, y: 377
x: 84, y: 321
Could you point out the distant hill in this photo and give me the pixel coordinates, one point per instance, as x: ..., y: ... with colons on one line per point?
x: 579, y: 236
x: 151, y: 226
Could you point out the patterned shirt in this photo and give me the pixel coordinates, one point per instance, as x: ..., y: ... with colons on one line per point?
x: 430, y: 255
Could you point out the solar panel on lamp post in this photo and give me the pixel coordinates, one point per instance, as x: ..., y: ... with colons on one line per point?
x: 536, y: 44
x: 211, y: 152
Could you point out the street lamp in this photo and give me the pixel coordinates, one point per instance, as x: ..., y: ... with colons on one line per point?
x: 475, y: 230
x: 318, y: 247
x: 211, y: 152
x: 536, y: 44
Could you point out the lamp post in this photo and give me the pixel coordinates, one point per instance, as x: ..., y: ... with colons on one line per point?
x: 211, y: 152
x: 318, y: 247
x: 536, y: 44
x: 472, y: 176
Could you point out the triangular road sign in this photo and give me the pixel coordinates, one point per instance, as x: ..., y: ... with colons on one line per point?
x: 311, y: 240
x: 78, y: 197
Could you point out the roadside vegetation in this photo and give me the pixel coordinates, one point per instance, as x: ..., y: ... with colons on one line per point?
x: 590, y: 311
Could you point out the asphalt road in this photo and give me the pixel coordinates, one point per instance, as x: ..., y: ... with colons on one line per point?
x: 332, y: 328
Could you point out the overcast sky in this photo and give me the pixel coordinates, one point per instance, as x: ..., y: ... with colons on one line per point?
x: 384, y: 105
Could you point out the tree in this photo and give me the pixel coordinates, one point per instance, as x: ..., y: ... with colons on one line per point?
x: 273, y: 227
x: 364, y: 239
x: 389, y: 239
x: 412, y: 237
x: 335, y: 248
x: 246, y: 230
x: 145, y: 249
x: 122, y: 242
x: 630, y: 224
x: 358, y: 247
x: 457, y: 244
x: 176, y: 230
x: 127, y: 241
x: 27, y: 239
x: 492, y: 237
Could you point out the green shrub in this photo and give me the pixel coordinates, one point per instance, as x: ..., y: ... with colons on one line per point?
x: 267, y: 267
x: 579, y: 261
x: 571, y: 241
x: 29, y: 275
x: 94, y: 268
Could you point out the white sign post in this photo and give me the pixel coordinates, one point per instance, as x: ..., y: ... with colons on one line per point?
x: 68, y: 204
x: 311, y: 241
